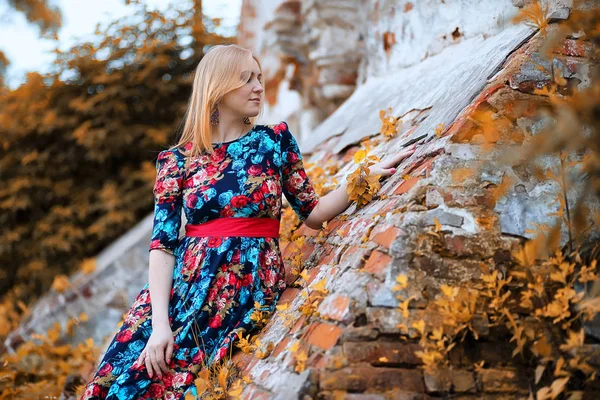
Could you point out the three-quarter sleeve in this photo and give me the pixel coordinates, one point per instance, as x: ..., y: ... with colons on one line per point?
x: 296, y: 185
x: 167, y: 201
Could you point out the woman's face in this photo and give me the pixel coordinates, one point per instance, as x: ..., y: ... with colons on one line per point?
x: 246, y: 100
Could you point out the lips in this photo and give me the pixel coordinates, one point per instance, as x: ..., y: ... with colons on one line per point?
x: 255, y: 100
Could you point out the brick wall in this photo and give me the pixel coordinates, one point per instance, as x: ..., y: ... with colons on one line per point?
x: 353, y: 348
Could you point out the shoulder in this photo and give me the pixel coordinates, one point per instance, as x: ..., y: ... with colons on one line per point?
x: 171, y: 158
x: 278, y: 128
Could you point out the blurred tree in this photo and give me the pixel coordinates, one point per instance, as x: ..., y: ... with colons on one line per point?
x: 38, y: 12
x: 77, y: 146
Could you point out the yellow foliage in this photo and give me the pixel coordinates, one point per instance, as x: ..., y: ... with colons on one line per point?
x: 390, y: 125
x: 535, y: 15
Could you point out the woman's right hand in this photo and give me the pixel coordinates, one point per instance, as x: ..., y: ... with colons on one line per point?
x: 158, y: 351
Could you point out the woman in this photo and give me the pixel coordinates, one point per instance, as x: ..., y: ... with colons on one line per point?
x: 227, y: 175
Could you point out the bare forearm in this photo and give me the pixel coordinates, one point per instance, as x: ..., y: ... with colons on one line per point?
x: 329, y: 206
x: 160, y: 280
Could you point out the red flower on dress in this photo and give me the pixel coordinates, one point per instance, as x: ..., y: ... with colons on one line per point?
x: 233, y: 280
x: 215, y: 321
x: 239, y: 201
x: 292, y: 157
x: 236, y: 256
x: 257, y: 196
x: 198, y: 357
x: 247, y: 280
x: 222, y: 352
x: 211, y: 169
x: 156, y: 391
x: 255, y: 170
x: 218, y: 155
x: 191, y: 201
x: 212, y: 294
x: 124, y: 336
x: 105, y: 370
x: 279, y: 127
x: 215, y: 241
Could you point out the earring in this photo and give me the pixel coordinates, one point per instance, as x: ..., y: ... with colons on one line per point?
x: 247, y: 121
x: 214, y: 117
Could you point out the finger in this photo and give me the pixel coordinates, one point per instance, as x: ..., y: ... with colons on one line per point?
x: 140, y: 358
x: 395, y: 159
x: 148, y: 365
x: 405, y: 153
x: 169, y: 351
x: 161, y: 362
x: 155, y: 363
x: 389, y: 171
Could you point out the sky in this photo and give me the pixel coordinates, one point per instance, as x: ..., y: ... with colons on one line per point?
x: 26, y: 51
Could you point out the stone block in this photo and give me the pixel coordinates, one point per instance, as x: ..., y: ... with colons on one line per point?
x: 386, y: 320
x: 382, y: 353
x: 336, y: 307
x: 502, y: 380
x: 380, y: 295
x: 322, y: 335
x: 384, y: 234
x: 353, y: 333
x: 359, y: 379
x: 377, y: 264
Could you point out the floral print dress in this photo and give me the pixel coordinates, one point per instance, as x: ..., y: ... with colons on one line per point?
x: 217, y: 280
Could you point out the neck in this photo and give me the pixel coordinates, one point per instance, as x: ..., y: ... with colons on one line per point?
x: 229, y: 128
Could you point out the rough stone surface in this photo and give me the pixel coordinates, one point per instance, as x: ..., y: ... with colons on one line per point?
x: 331, y: 66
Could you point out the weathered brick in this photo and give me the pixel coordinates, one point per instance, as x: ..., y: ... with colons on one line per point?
x: 382, y: 353
x: 336, y: 307
x: 306, y: 231
x: 386, y: 320
x: 298, y: 324
x: 447, y: 268
x: 445, y: 380
x: 360, y: 226
x: 254, y: 392
x: 380, y: 295
x: 384, y: 235
x: 377, y: 263
x: 288, y: 295
x: 359, y: 333
x: 359, y: 379
x: 424, y: 168
x: 323, y: 335
x: 343, y: 395
x: 307, y: 249
x: 283, y: 343
x: 406, y: 185
x: 533, y: 73
x: 329, y: 253
x: 503, y: 380
x: 354, y: 257
x: 462, y: 380
x: 399, y: 394
x: 289, y: 358
x: 574, y: 48
x: 438, y: 380
x: 389, y: 395
x: 242, y: 360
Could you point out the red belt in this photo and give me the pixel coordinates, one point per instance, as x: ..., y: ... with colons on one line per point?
x: 231, y: 226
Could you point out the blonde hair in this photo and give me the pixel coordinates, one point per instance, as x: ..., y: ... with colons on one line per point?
x: 222, y: 69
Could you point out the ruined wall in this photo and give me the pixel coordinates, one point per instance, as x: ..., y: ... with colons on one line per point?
x: 330, y: 67
x: 434, y: 64
x: 311, y: 52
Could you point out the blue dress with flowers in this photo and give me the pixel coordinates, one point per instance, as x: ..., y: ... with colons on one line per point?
x: 218, y: 282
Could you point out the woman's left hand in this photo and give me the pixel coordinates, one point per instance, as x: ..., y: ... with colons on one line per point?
x: 386, y: 166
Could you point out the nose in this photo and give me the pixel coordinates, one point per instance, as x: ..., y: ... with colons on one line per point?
x: 258, y: 89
